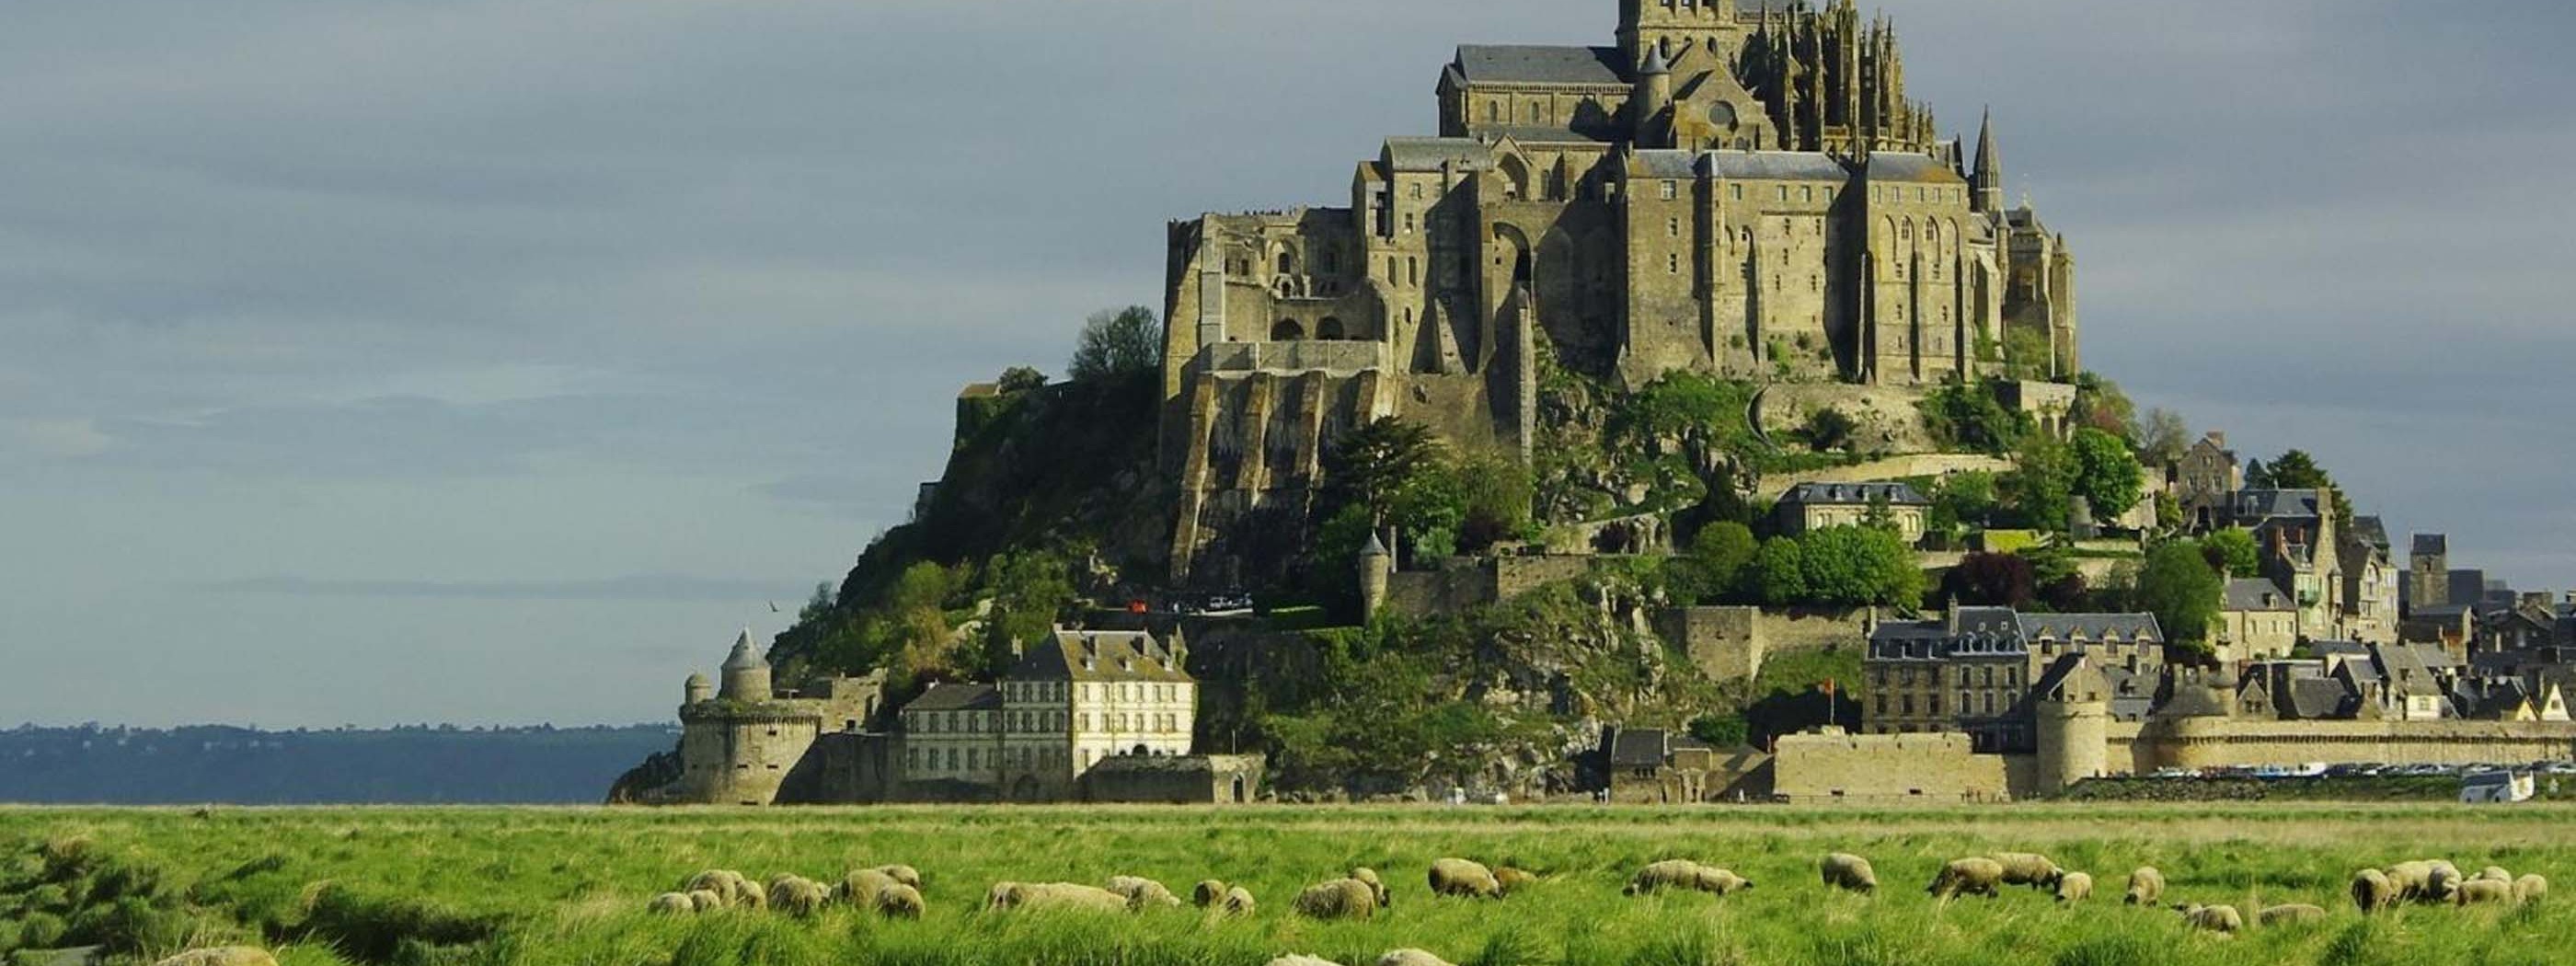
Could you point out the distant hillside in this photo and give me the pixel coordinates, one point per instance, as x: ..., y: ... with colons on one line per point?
x: 419, y: 765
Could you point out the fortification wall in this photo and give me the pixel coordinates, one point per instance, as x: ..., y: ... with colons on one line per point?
x: 1892, y: 468
x: 741, y: 759
x: 1187, y: 780
x: 1893, y: 769
x: 2253, y: 744
x: 1886, y: 419
x: 1514, y: 576
x: 1731, y: 643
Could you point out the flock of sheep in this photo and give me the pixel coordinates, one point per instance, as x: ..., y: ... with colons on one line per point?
x: 894, y: 891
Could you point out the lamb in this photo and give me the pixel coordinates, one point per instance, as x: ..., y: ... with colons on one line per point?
x: 2375, y: 891
x: 2074, y: 887
x: 860, y: 888
x: 899, y: 901
x: 1053, y: 895
x: 1143, y: 893
x: 1238, y: 902
x: 2028, y: 869
x: 706, y: 900
x: 902, y: 873
x: 1338, y: 899
x: 2297, y: 913
x: 797, y: 896
x: 1410, y: 957
x: 222, y: 956
x: 2480, y: 892
x: 2532, y: 887
x: 671, y: 904
x: 2146, y: 886
x: 2494, y: 872
x: 1460, y: 877
x: 2224, y: 920
x: 1377, y: 888
x: 1973, y: 877
x: 1513, y: 880
x: 1207, y: 893
x: 1848, y: 872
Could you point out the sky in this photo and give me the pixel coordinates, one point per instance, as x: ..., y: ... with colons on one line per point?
x: 496, y: 361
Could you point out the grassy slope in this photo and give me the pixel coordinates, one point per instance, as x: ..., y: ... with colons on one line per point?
x: 568, y: 885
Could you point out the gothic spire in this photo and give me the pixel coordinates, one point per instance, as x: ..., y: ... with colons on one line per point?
x: 1990, y: 171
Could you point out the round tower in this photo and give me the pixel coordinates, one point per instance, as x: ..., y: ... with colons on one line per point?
x: 2074, y: 735
x: 1654, y: 97
x: 698, y: 690
x: 746, y: 673
x: 1377, y: 570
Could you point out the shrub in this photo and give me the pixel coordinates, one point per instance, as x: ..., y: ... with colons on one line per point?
x: 40, y: 930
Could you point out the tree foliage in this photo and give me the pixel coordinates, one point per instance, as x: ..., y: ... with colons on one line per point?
x: 1118, y: 344
x: 2179, y: 586
x: 2162, y: 437
x: 1971, y: 418
x: 2232, y: 552
x: 1718, y: 569
x: 1991, y: 580
x: 2041, y: 487
x: 2296, y: 470
x: 2107, y: 475
x: 2101, y: 404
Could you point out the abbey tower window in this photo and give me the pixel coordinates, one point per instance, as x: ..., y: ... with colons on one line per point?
x: 1671, y: 190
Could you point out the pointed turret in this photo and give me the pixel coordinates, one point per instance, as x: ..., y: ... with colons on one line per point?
x: 746, y: 673
x: 1377, y: 569
x: 1989, y: 196
x: 1654, y: 99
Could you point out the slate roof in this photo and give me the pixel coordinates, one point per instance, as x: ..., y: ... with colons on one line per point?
x: 1910, y: 167
x: 2371, y: 532
x: 1100, y: 656
x: 1429, y: 154
x: 1777, y: 166
x: 1998, y: 631
x: 1648, y: 747
x: 2260, y: 505
x: 1665, y: 164
x: 1853, y: 494
x: 957, y: 697
x: 745, y: 657
x: 2402, y: 666
x: 2430, y: 544
x: 2256, y: 594
x: 2128, y: 628
x: 1527, y: 64
x: 1553, y: 134
x: 2315, y: 699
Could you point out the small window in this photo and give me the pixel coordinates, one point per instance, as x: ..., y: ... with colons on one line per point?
x: 1674, y: 227
x: 1673, y: 264
x: 1738, y: 192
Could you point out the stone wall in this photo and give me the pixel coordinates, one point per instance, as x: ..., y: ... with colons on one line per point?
x: 1462, y: 583
x: 1923, y: 769
x: 1893, y: 468
x: 1183, y: 780
x: 2201, y: 744
x: 741, y: 758
x: 1731, y: 643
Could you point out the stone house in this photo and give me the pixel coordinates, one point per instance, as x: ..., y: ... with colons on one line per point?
x: 1075, y: 699
x: 2256, y: 621
x: 2370, y: 581
x: 1973, y: 671
x: 2298, y: 538
x: 1809, y: 507
x: 1652, y: 766
x: 2205, y: 481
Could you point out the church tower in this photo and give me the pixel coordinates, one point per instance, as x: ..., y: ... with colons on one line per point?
x: 1989, y: 177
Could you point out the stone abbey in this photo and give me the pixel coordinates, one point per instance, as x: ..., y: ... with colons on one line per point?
x: 1736, y: 187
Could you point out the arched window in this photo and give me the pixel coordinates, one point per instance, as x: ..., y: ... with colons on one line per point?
x: 1287, y: 331
x: 1287, y: 263
x: 1329, y: 329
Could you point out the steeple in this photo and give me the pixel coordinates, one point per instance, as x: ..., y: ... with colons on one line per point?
x: 1989, y: 197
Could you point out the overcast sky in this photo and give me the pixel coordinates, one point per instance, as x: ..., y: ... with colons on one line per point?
x: 494, y: 360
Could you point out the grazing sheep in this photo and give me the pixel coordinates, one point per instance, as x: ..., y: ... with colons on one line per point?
x: 2443, y: 883
x: 2411, y: 879
x: 2224, y: 920
x: 1720, y: 882
x: 2028, y: 869
x: 1513, y: 880
x: 726, y: 884
x: 1007, y: 896
x: 1686, y: 874
x: 222, y: 956
x: 796, y: 895
x: 899, y: 901
x: 1238, y: 902
x: 706, y: 900
x: 2074, y: 887
x: 2532, y: 887
x: 1207, y: 893
x: 1143, y: 893
x: 1848, y: 872
x: 2375, y: 891
x: 2480, y: 892
x: 1459, y: 877
x: 902, y: 873
x: 1410, y: 957
x: 1338, y: 899
x: 1974, y: 877
x: 2146, y: 887
x: 1377, y: 888
x: 1302, y: 961
x: 860, y: 888
x: 2293, y: 914
x: 2495, y: 872
x: 671, y: 904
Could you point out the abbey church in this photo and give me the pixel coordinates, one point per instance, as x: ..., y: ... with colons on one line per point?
x: 1737, y: 187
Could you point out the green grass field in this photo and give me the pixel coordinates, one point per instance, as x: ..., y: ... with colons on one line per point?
x: 453, y: 887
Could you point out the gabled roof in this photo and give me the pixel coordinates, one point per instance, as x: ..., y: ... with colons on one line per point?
x: 2257, y: 594
x: 1528, y: 64
x: 2370, y: 532
x: 1853, y: 494
x: 1648, y: 747
x: 2432, y: 544
x: 1902, y: 166
x: 1099, y: 656
x: 2265, y: 505
x: 1776, y: 166
x: 1431, y: 154
x: 957, y: 697
x: 2127, y: 628
x: 2317, y: 699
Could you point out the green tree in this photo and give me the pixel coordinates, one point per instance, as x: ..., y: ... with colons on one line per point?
x: 2179, y: 586
x: 1828, y: 430
x: 1031, y: 591
x: 1971, y: 418
x: 2162, y: 436
x: 1780, y: 572
x: 1373, y: 465
x: 1117, y: 345
x: 2041, y: 488
x: 2102, y: 405
x: 1961, y: 499
x: 2107, y: 475
x: 1719, y: 567
x: 1018, y: 379
x: 1722, y: 731
x: 2296, y: 470
x: 1857, y: 566
x: 2232, y: 552
x: 1498, y: 496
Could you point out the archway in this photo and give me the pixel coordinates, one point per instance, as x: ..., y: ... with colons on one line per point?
x: 1238, y: 790
x: 1287, y: 330
x: 1330, y: 330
